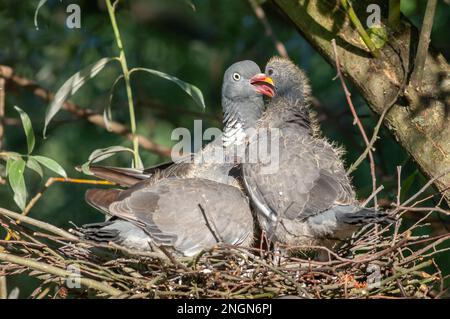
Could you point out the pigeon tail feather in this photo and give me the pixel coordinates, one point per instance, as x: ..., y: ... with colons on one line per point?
x: 340, y: 222
x: 362, y: 216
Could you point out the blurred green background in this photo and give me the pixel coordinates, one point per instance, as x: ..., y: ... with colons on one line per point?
x: 195, y: 41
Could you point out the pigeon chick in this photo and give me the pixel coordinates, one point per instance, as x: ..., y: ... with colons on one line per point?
x: 308, y: 199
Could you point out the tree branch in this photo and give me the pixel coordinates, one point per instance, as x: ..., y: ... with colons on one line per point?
x: 422, y: 47
x: 358, y: 122
x: 261, y: 15
x: 419, y: 121
x: 46, y: 268
x: 39, y: 224
x: 92, y: 117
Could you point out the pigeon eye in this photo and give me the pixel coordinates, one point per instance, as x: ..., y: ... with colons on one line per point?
x: 269, y: 71
x: 236, y: 76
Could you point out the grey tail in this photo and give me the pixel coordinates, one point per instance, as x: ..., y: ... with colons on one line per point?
x: 99, y: 232
x: 353, y: 215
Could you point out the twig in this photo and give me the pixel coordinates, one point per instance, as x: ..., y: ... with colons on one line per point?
x: 39, y: 224
x: 261, y: 15
x: 126, y: 75
x: 357, y: 121
x: 85, y: 113
x: 52, y: 180
x: 394, y: 13
x: 3, y: 288
x: 90, y: 283
x: 359, y: 27
x: 379, y: 189
x: 211, y: 226
x: 425, y: 209
x: 428, y: 184
x: 422, y: 47
x: 2, y: 110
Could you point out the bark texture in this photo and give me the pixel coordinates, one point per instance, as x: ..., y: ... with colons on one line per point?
x: 420, y: 117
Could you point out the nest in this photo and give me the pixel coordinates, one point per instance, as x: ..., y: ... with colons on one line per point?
x: 375, y: 263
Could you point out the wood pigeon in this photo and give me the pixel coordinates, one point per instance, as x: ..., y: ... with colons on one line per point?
x: 242, y: 106
x: 185, y: 215
x: 308, y: 199
x: 187, y: 206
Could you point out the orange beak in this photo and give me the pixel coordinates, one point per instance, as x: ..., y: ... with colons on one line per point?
x: 263, y: 84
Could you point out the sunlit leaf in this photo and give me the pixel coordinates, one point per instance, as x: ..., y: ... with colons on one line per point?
x: 15, y: 176
x: 51, y: 165
x: 71, y: 86
x: 107, y: 114
x: 34, y: 166
x: 10, y: 157
x: 102, y: 154
x: 40, y: 4
x: 190, y: 89
x: 27, y: 127
x: 379, y: 36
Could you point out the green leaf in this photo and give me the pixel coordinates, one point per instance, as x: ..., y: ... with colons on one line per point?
x: 40, y: 4
x: 51, y: 165
x: 107, y: 114
x: 379, y: 36
x: 27, y: 127
x: 190, y: 89
x: 71, y: 86
x: 34, y: 166
x: 407, y: 183
x: 17, y: 182
x: 10, y: 158
x: 102, y: 154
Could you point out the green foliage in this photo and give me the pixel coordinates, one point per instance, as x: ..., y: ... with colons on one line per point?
x: 195, y: 46
x: 71, y: 86
x: 16, y: 163
x: 15, y: 170
x: 190, y: 89
x: 28, y: 128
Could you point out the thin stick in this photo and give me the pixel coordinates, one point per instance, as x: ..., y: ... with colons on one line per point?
x: 2, y: 117
x: 211, y: 226
x: 126, y: 74
x: 52, y: 180
x: 90, y: 283
x: 428, y: 184
x: 422, y: 47
x: 261, y: 15
x: 2, y: 110
x: 357, y: 121
x: 37, y: 223
x: 359, y: 27
x: 3, y: 288
x: 394, y: 13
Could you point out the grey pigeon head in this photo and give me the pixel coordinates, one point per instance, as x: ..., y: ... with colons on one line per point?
x: 290, y: 82
x: 236, y: 81
x: 241, y: 102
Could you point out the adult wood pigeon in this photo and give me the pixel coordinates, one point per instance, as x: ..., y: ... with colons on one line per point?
x: 308, y: 199
x: 242, y: 105
x: 186, y: 206
x: 185, y: 215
